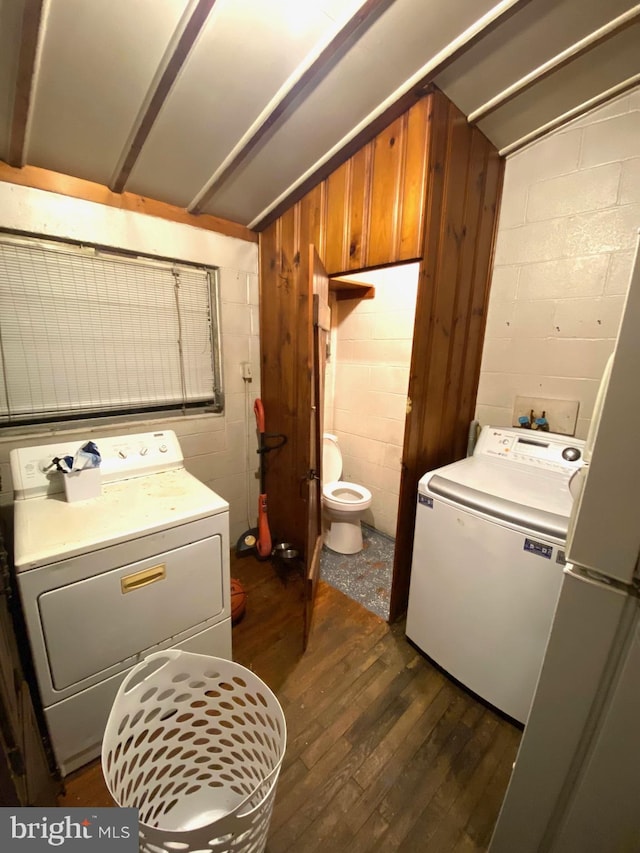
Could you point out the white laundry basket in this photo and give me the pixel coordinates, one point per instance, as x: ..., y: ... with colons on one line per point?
x: 196, y: 744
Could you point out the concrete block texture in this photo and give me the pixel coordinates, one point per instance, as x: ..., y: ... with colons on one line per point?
x: 568, y: 226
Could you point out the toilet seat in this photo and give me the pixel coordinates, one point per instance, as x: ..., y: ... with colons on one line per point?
x: 346, y: 497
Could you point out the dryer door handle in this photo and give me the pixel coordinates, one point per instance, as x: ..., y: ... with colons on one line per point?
x: 130, y: 583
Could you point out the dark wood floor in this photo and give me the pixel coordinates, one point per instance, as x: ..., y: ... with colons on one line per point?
x: 384, y: 752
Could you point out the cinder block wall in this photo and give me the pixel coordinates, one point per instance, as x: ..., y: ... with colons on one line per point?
x: 568, y: 224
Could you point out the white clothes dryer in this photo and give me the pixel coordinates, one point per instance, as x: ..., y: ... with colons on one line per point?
x: 103, y: 582
x: 487, y: 561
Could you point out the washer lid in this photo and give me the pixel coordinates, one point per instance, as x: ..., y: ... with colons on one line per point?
x: 537, y: 500
x: 331, y: 459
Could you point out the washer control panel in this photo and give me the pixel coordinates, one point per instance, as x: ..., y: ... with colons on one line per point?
x: 35, y: 473
x: 545, y: 450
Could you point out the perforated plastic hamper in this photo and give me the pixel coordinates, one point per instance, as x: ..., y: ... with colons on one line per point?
x: 196, y: 744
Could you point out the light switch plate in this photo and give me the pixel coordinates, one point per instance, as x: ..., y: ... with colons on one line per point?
x: 562, y: 415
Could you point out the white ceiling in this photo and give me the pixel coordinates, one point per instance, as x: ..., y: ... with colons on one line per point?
x: 229, y: 106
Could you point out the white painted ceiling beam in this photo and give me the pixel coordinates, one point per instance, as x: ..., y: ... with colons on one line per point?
x: 292, y: 89
x: 176, y: 53
x: 34, y: 21
x: 557, y: 61
x: 572, y: 84
x: 570, y: 115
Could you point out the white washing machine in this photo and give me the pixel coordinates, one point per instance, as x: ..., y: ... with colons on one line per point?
x: 103, y: 582
x: 487, y: 561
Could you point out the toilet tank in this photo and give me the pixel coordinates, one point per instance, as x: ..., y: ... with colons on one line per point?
x: 331, y: 458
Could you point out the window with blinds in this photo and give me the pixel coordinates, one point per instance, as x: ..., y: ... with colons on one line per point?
x: 86, y: 332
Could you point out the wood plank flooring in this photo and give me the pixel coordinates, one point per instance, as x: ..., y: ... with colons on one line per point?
x: 384, y: 752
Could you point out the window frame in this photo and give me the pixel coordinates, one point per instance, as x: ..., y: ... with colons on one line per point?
x: 126, y: 414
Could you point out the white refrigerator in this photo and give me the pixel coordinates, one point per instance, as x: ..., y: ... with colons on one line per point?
x: 575, y: 787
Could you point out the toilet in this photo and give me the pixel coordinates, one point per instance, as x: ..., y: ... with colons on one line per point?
x: 343, y: 503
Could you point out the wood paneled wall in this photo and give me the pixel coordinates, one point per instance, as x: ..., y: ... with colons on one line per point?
x: 464, y: 183
x: 368, y: 212
x: 286, y: 332
x: 375, y: 201
x: 426, y: 187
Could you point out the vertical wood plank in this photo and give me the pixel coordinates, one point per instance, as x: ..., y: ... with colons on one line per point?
x: 337, y: 219
x: 414, y: 182
x: 426, y: 296
x: 359, y: 201
x: 451, y: 246
x: 385, y: 201
x: 288, y: 304
x: 321, y: 320
x: 298, y: 515
x: 317, y: 197
x: 270, y: 258
x: 303, y: 366
x: 278, y: 304
x: 477, y: 313
x: 269, y: 245
x: 456, y: 416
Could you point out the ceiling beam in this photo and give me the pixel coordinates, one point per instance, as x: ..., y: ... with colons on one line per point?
x: 595, y: 38
x: 31, y: 18
x: 56, y: 182
x: 345, y: 39
x: 581, y: 109
x: 418, y: 85
x: 175, y: 62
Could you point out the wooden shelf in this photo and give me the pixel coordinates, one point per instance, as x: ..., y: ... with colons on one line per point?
x: 345, y: 288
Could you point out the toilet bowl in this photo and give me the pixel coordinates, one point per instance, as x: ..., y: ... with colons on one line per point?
x: 343, y: 503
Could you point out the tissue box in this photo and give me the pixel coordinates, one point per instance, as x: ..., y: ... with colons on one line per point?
x: 82, y: 485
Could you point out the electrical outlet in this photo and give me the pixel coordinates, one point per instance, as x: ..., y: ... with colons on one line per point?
x: 246, y: 370
x: 562, y: 415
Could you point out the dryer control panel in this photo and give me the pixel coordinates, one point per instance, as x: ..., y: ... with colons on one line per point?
x: 34, y: 473
x: 545, y: 450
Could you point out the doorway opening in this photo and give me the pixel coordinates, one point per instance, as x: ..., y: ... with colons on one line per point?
x: 365, y: 405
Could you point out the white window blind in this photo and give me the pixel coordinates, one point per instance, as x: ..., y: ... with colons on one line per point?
x: 85, y: 332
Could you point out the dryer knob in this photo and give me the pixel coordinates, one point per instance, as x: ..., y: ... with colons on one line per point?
x: 122, y: 454
x: 163, y: 448
x: 571, y: 454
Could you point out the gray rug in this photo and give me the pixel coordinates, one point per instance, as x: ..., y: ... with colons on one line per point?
x: 364, y: 577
